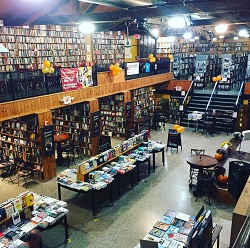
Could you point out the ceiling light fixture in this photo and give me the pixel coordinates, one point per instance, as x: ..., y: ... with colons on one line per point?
x: 221, y: 28
x: 243, y: 33
x: 187, y: 35
x: 155, y: 32
x: 196, y: 37
x: 236, y: 37
x: 221, y: 36
x: 177, y: 22
x: 87, y: 27
x: 214, y: 39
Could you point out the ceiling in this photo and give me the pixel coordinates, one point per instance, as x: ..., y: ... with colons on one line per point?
x: 111, y: 15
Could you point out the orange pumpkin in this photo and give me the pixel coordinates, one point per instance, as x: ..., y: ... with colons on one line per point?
x: 218, y: 156
x: 222, y: 179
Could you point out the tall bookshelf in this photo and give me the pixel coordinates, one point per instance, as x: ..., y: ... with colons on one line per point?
x: 142, y: 99
x: 20, y: 138
x: 113, y: 112
x: 77, y: 121
x: 108, y: 47
x: 29, y: 47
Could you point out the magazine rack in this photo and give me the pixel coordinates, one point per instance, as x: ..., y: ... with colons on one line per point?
x: 174, y: 139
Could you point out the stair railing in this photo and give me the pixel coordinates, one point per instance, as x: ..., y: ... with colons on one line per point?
x: 186, y: 99
x: 214, y: 92
x: 237, y: 102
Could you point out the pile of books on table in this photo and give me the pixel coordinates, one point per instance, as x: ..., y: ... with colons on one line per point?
x: 178, y: 230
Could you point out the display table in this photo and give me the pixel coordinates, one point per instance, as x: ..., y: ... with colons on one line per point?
x: 28, y: 211
x: 176, y: 229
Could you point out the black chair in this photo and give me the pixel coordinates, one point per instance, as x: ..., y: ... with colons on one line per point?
x: 25, y: 170
x: 208, y: 125
x: 69, y: 150
x: 193, y: 171
x: 228, y: 121
x: 205, y: 183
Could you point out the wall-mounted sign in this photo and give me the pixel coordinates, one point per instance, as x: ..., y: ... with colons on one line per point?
x: 69, y: 78
x: 132, y: 68
x: 48, y: 140
x: 95, y: 124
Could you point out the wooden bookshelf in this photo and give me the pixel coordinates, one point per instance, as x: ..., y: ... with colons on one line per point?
x: 113, y: 111
x: 142, y: 99
x: 29, y: 47
x: 108, y: 47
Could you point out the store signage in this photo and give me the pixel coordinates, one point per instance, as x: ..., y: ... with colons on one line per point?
x: 69, y: 77
x: 48, y: 140
x: 95, y: 124
x: 132, y: 68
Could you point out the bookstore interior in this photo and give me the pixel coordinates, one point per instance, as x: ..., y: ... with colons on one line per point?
x: 84, y: 116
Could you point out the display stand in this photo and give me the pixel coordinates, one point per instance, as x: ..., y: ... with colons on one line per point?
x: 174, y: 139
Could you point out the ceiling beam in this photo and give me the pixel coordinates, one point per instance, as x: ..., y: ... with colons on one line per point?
x: 47, y: 9
x: 106, y: 3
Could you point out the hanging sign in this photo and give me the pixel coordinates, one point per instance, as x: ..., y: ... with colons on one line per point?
x: 70, y: 79
x: 48, y: 140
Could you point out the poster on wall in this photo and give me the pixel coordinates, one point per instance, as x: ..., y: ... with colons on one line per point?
x: 132, y: 68
x: 85, y: 76
x: 70, y: 79
x: 48, y: 140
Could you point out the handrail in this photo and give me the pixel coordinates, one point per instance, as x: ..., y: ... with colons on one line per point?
x: 210, y: 99
x: 189, y: 89
x: 239, y: 94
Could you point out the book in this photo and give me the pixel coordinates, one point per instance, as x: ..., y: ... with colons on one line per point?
x: 185, y: 230
x: 181, y: 237
x: 2, y: 214
x: 171, y: 232
x: 36, y: 219
x: 176, y: 244
x: 166, y: 219
x: 161, y: 225
x: 9, y: 209
x: 177, y: 222
x: 171, y: 213
x: 18, y: 204
x: 157, y: 232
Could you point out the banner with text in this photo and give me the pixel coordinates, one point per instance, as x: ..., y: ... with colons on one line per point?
x: 70, y: 79
x: 132, y: 68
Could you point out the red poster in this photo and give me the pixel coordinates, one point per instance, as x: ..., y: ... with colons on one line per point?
x: 69, y: 79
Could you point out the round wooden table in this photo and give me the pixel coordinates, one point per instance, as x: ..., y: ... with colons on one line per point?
x: 59, y: 138
x: 201, y: 161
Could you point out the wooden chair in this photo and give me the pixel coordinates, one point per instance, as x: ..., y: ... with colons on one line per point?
x: 193, y: 172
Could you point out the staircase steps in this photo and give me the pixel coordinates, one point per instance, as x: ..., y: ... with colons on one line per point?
x: 199, y: 101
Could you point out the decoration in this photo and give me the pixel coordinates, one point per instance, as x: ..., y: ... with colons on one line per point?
x: 45, y: 70
x: 219, y: 156
x: 170, y: 56
x: 115, y: 69
x: 222, y: 179
x: 180, y: 129
x: 51, y: 70
x: 176, y: 126
x: 214, y: 79
x: 218, y: 77
x: 46, y: 63
x: 150, y: 56
x: 226, y: 145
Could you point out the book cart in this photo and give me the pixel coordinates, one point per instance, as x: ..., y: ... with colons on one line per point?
x: 86, y: 178
x: 176, y: 229
x: 28, y: 211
